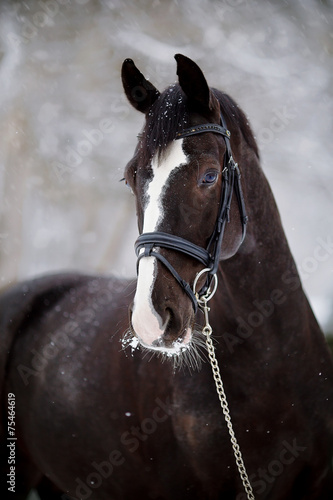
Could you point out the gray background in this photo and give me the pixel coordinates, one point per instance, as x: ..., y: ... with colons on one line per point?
x: 62, y: 205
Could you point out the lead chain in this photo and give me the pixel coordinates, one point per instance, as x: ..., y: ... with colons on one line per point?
x: 207, y: 331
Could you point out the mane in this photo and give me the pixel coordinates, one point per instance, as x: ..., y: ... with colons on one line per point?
x: 233, y: 113
x: 169, y: 115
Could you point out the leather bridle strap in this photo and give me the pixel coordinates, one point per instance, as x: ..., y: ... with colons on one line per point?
x: 241, y: 202
x: 150, y: 252
x: 148, y: 241
x: 166, y: 240
x: 145, y: 245
x: 207, y: 127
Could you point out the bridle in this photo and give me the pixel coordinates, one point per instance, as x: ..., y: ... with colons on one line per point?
x: 145, y: 245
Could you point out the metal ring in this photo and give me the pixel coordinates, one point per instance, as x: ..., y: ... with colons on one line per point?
x: 209, y: 294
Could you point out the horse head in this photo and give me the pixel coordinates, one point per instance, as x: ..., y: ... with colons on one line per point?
x: 178, y: 175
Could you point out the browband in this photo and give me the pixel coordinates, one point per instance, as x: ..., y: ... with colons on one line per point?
x: 199, y: 129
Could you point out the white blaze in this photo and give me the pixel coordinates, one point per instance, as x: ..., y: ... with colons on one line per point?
x: 175, y: 157
x: 146, y: 322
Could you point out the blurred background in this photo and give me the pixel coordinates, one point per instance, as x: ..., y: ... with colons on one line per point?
x: 67, y: 131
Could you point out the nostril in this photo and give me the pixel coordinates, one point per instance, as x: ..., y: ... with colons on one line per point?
x: 168, y: 313
x: 165, y: 317
x: 170, y: 319
x: 174, y: 326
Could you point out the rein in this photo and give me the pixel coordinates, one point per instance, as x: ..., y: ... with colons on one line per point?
x: 145, y: 245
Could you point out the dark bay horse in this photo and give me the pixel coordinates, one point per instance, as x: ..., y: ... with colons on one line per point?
x: 104, y: 393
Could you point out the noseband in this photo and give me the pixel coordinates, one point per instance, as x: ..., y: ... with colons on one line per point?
x: 145, y: 245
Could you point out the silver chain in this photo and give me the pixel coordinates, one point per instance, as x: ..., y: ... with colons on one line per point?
x: 207, y: 331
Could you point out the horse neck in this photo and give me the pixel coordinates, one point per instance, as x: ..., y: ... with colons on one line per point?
x: 260, y: 287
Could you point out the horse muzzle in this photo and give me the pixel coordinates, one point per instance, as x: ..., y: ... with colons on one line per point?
x: 161, y: 318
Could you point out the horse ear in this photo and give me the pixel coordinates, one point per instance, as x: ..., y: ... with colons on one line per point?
x: 139, y: 91
x: 193, y: 83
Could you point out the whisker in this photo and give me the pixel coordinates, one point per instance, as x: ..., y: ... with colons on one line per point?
x: 189, y: 357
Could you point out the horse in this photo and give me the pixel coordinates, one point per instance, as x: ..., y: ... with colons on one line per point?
x: 107, y: 391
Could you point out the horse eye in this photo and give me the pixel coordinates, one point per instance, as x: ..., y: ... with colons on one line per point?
x: 209, y: 178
